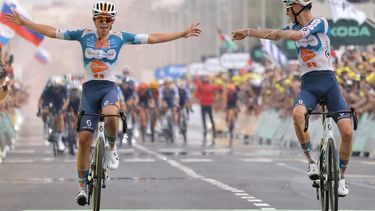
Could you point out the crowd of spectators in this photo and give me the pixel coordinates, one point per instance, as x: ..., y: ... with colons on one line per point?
x: 13, y: 93
x: 277, y: 87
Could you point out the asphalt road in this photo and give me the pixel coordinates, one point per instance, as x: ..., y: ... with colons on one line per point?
x: 175, y: 177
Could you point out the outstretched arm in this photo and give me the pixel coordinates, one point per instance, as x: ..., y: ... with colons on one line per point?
x: 271, y: 34
x: 192, y: 30
x: 46, y: 30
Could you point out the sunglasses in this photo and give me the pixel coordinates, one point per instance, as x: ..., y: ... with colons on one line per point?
x: 106, y: 19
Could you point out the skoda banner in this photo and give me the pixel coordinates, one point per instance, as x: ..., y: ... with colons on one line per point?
x: 344, y: 33
x: 348, y: 32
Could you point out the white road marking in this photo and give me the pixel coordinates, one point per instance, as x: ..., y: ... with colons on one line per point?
x: 262, y: 204
x: 261, y: 160
x: 248, y: 197
x: 195, y: 160
x: 190, y: 172
x: 217, y: 151
x: 255, y: 200
x: 367, y: 162
x: 138, y: 160
x: 18, y: 161
x: 241, y: 194
x: 21, y: 151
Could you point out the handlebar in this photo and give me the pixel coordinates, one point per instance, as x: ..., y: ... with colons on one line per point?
x: 330, y: 115
x: 102, y: 116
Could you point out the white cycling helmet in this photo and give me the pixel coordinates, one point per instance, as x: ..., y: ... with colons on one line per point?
x: 301, y: 2
x: 57, y: 81
x: 104, y: 7
x: 75, y: 84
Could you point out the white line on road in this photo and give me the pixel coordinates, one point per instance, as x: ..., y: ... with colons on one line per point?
x: 195, y: 160
x: 262, y: 204
x: 248, y: 197
x: 261, y: 160
x: 241, y: 194
x: 21, y: 151
x: 255, y: 200
x: 18, y: 161
x: 140, y: 160
x: 190, y: 172
x: 367, y: 162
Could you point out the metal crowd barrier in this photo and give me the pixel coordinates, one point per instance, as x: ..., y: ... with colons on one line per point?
x: 269, y: 128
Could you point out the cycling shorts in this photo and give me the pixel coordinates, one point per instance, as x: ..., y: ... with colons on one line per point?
x: 96, y: 95
x: 316, y: 85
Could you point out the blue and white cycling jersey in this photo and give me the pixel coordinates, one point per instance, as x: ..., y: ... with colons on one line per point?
x: 314, y: 52
x: 100, y: 56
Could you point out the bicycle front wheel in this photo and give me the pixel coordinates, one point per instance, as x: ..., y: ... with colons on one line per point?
x: 324, y: 194
x: 55, y: 147
x: 333, y: 174
x: 98, y: 174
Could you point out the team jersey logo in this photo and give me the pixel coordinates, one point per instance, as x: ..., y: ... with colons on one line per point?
x: 309, y: 41
x: 97, y: 67
x: 100, y: 54
x: 307, y: 54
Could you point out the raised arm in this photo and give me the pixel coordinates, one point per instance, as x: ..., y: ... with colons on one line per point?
x: 271, y: 34
x: 46, y: 30
x: 192, y: 30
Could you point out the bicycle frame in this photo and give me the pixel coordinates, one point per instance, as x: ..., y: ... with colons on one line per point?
x: 99, y: 136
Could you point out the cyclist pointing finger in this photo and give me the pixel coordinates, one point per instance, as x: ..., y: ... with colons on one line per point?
x: 100, y: 48
x: 311, y: 37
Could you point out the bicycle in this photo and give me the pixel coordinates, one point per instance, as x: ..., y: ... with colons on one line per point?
x: 231, y: 121
x: 167, y: 126
x: 52, y: 130
x: 143, y: 120
x: 153, y: 120
x: 71, y: 132
x: 327, y: 187
x: 98, y: 170
x: 183, y: 118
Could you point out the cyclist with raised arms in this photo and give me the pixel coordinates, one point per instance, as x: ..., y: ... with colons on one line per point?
x: 100, y: 48
x: 311, y: 37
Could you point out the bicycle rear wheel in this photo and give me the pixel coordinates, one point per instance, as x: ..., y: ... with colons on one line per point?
x: 333, y: 174
x: 98, y: 174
